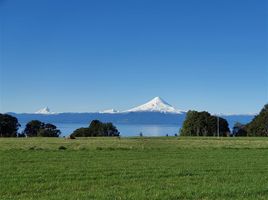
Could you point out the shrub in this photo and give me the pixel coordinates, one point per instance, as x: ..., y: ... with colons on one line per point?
x: 62, y: 148
x: 72, y: 137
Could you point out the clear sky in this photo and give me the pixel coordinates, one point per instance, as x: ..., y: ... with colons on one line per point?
x: 90, y: 55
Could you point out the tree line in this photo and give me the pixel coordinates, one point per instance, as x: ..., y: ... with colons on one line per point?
x: 195, y: 124
x: 205, y: 124
x: 9, y: 126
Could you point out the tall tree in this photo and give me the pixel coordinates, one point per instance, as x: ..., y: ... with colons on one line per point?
x: 9, y: 126
x: 37, y: 128
x: 49, y: 130
x: 203, y: 124
x: 33, y: 127
x: 259, y: 125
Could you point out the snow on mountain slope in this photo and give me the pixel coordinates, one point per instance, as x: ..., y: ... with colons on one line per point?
x: 157, y: 104
x: 44, y: 111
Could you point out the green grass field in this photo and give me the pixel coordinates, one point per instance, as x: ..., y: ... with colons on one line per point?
x: 134, y: 168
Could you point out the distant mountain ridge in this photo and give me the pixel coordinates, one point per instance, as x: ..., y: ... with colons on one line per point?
x: 109, y: 111
x: 156, y: 111
x: 157, y: 104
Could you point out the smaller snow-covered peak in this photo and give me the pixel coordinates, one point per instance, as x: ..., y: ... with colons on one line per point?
x: 157, y: 104
x: 110, y: 111
x: 44, y: 111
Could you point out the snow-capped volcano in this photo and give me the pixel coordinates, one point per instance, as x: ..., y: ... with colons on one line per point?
x: 45, y: 111
x: 157, y: 104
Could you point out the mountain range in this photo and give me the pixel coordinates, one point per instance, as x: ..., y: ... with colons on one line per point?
x: 155, y: 111
x: 157, y: 104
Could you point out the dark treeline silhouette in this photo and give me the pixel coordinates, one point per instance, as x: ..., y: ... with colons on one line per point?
x: 205, y: 124
x: 96, y: 129
x: 9, y: 126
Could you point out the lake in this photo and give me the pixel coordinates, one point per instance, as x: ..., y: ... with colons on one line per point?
x: 126, y: 130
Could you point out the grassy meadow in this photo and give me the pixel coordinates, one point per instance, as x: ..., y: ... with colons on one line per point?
x: 134, y: 168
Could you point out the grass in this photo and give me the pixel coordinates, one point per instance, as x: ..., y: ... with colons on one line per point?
x: 134, y: 168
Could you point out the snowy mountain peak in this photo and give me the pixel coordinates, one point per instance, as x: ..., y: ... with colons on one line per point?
x: 44, y: 111
x: 157, y: 104
x: 159, y: 100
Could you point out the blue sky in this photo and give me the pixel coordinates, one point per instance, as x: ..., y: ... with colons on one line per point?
x: 92, y: 55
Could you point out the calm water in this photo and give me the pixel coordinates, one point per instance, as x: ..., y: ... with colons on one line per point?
x: 125, y: 130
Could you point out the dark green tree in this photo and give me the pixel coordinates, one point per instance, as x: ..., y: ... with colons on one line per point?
x: 239, y: 130
x: 189, y: 127
x: 33, y: 127
x: 96, y: 129
x: 203, y: 124
x: 110, y: 130
x: 81, y: 132
x: 49, y: 130
x: 259, y: 125
x: 9, y: 126
x: 37, y: 128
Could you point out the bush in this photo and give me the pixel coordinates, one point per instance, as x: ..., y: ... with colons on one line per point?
x: 62, y: 148
x: 71, y: 137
